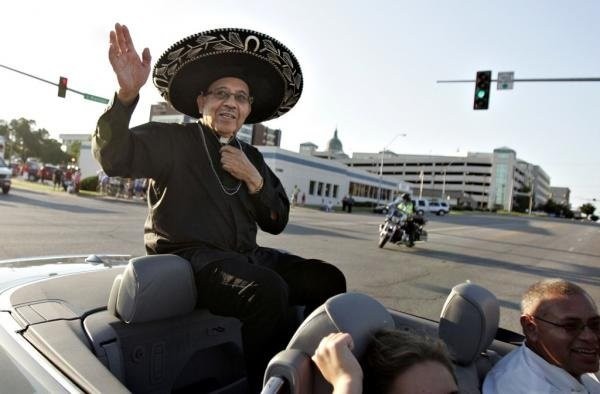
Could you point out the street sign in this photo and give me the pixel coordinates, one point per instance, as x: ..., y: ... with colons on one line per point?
x: 505, y: 80
x: 95, y: 98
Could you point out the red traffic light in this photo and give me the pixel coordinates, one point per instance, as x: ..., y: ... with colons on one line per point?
x: 62, y: 87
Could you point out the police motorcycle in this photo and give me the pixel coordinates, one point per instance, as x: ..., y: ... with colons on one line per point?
x: 402, y: 227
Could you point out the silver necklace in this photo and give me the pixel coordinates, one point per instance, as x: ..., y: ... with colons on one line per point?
x: 229, y: 192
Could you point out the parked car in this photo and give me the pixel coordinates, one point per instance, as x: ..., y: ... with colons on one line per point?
x: 439, y: 208
x: 30, y: 169
x: 16, y: 168
x: 424, y: 205
x: 46, y: 172
x: 77, y: 324
x: 5, y: 176
x: 382, y: 208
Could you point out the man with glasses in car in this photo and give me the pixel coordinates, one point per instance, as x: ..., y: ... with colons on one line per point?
x: 561, y: 325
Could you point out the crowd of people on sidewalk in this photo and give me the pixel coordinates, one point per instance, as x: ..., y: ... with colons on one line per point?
x: 127, y: 188
x: 69, y: 179
x: 65, y: 177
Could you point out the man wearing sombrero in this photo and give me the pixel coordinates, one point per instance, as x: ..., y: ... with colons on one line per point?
x: 209, y: 190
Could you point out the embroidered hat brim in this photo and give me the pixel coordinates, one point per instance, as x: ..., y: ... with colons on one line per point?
x: 269, y: 68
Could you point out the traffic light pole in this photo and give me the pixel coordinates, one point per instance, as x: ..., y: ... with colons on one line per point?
x: 29, y: 75
x: 85, y: 95
x: 505, y: 81
x: 526, y: 80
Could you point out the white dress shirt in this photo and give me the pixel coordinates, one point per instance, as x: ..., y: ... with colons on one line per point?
x: 523, y: 371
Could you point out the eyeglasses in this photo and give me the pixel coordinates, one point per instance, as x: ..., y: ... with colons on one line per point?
x: 223, y: 95
x: 575, y: 327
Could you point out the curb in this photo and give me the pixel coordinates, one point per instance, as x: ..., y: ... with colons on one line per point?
x: 40, y: 188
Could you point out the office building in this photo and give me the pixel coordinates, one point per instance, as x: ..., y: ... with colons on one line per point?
x: 479, y: 180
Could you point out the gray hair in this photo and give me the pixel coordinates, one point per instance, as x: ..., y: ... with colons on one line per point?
x: 542, y: 289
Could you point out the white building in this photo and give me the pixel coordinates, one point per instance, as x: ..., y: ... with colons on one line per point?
x: 87, y: 164
x: 321, y: 179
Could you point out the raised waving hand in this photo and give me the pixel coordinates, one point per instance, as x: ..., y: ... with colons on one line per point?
x: 132, y: 71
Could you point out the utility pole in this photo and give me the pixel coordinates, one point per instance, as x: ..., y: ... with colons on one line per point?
x: 525, y: 80
x: 381, y: 164
x: 62, y: 85
x: 505, y: 81
x: 422, y: 176
x: 531, y: 182
x: 530, y: 201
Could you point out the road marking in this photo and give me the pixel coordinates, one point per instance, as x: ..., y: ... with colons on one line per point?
x: 571, y: 249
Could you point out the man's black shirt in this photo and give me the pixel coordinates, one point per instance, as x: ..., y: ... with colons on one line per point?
x: 187, y: 206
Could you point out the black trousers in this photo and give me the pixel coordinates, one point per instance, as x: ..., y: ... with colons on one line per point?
x: 259, y: 289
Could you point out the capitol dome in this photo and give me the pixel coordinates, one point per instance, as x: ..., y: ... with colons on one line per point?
x: 335, y: 145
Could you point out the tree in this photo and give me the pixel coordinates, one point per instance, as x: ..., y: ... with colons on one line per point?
x: 75, y: 150
x: 4, y: 130
x: 521, y: 202
x: 587, y: 209
x: 52, y: 152
x: 24, y: 141
x: 552, y: 208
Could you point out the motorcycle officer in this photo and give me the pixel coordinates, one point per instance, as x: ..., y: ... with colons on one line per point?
x: 407, y: 207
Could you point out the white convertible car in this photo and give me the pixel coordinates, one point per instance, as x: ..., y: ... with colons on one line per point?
x: 115, y: 324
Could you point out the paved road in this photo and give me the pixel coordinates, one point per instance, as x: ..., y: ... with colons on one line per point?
x: 504, y: 254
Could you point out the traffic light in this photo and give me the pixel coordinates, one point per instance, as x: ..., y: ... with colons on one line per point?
x: 483, y: 82
x: 62, y: 87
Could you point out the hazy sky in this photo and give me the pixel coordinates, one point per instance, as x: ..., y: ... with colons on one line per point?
x: 370, y: 69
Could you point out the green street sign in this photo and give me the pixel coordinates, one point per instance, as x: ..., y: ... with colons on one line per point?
x: 95, y: 98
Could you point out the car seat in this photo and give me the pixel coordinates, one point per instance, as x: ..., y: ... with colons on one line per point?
x: 153, y: 339
x: 354, y: 313
x: 468, y: 325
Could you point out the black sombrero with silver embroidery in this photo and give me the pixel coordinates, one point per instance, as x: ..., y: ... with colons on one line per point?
x: 270, y: 69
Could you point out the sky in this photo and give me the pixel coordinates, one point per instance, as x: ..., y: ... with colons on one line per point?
x: 370, y: 70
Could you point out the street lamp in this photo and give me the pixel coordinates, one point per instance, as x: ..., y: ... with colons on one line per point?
x: 444, y: 176
x: 444, y: 182
x: 455, y: 160
x: 381, y: 163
